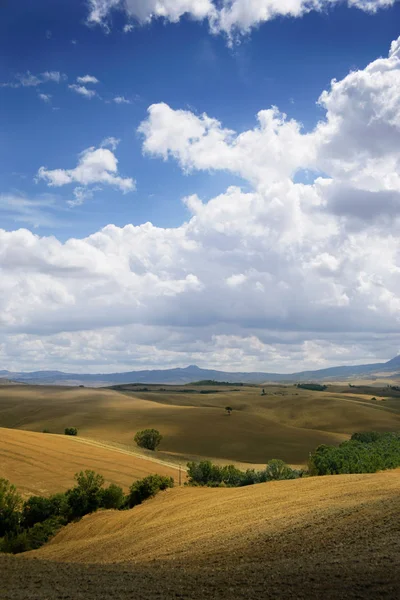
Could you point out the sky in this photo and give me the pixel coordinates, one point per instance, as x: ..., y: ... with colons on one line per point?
x: 210, y: 182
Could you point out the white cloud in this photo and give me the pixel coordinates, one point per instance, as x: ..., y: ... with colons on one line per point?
x: 146, y: 10
x: 95, y: 165
x: 275, y: 276
x: 36, y: 212
x: 83, y: 91
x: 87, y: 79
x: 29, y: 80
x: 121, y: 100
x: 111, y: 142
x: 231, y: 17
x: 81, y: 194
x: 45, y: 97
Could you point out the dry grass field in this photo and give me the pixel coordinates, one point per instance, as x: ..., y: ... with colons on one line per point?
x: 327, y: 537
x: 43, y: 464
x: 286, y: 423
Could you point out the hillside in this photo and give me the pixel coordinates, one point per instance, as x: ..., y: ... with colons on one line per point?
x: 330, y: 537
x: 42, y: 464
x: 286, y: 423
x: 388, y: 370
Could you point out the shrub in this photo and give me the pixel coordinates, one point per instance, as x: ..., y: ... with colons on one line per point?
x: 71, y: 431
x: 277, y: 470
x: 86, y: 496
x: 38, y: 509
x: 315, y: 387
x: 112, y: 497
x: 148, y: 438
x: 364, y: 453
x: 10, y: 508
x: 229, y: 409
x: 147, y: 488
x: 31, y: 539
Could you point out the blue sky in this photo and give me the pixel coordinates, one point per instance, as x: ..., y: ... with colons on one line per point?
x: 285, y: 62
x: 286, y: 254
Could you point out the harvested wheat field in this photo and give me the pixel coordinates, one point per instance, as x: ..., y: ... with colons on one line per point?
x: 39, y: 463
x: 286, y: 423
x: 327, y: 537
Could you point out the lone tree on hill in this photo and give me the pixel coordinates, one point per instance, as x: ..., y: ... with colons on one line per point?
x: 263, y: 393
x: 71, y: 431
x: 148, y: 438
x: 229, y: 410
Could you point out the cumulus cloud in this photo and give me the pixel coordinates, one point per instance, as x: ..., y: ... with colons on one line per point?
x: 231, y: 17
x: 45, y: 98
x: 83, y: 91
x: 274, y: 275
x: 95, y: 165
x: 121, y: 100
x: 87, y: 79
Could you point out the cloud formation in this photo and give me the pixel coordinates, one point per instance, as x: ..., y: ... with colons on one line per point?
x: 95, y: 166
x: 274, y: 275
x: 231, y: 17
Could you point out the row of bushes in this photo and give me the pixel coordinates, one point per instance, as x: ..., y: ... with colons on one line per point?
x: 363, y: 453
x: 28, y: 525
x: 205, y: 473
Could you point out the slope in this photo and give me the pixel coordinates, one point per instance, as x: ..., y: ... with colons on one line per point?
x: 285, y: 423
x: 39, y: 463
x: 328, y: 537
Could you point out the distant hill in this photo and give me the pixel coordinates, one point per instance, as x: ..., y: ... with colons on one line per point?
x: 193, y: 373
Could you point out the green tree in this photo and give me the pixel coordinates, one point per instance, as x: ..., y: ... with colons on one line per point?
x: 276, y: 470
x: 86, y: 496
x: 112, y: 497
x: 147, y: 488
x: 229, y: 410
x: 148, y: 438
x: 10, y: 508
x: 71, y: 431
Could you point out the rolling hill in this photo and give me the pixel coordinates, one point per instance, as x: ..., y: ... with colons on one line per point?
x: 286, y: 423
x: 193, y: 373
x: 325, y: 537
x: 43, y: 464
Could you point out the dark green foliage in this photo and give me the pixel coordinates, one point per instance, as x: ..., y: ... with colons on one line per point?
x: 10, y: 508
x: 86, y: 496
x: 263, y: 393
x: 148, y: 438
x: 112, y: 497
x: 71, y: 431
x: 229, y: 409
x: 204, y: 473
x: 277, y: 470
x: 31, y: 539
x: 28, y: 525
x: 314, y: 387
x: 38, y: 509
x: 364, y: 453
x: 147, y: 488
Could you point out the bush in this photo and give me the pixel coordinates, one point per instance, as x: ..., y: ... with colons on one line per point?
x: 364, y: 453
x: 147, y: 488
x: 204, y: 473
x: 315, y: 387
x: 112, y: 497
x: 149, y: 439
x: 71, y: 431
x: 277, y: 470
x: 10, y: 508
x: 38, y: 509
x: 86, y: 496
x: 31, y: 539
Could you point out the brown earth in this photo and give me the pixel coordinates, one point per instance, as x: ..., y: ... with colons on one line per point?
x: 41, y: 463
x: 286, y: 423
x: 327, y: 537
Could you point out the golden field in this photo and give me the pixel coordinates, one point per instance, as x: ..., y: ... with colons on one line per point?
x: 287, y: 423
x: 43, y: 464
x: 325, y: 537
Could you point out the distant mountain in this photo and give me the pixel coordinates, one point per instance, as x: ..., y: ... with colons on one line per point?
x: 194, y: 373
